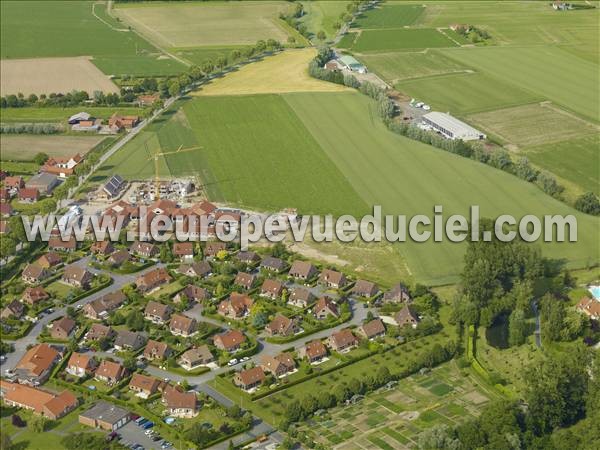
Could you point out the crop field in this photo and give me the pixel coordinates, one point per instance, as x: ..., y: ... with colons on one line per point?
x: 398, y: 66
x: 25, y: 147
x: 404, y: 39
x: 542, y: 71
x: 466, y: 93
x: 393, y: 418
x: 533, y: 124
x: 347, y: 40
x: 390, y: 16
x: 322, y: 15
x: 284, y: 72
x: 206, y: 23
x: 407, y: 177
x: 576, y: 160
x: 52, y: 75
x: 54, y: 115
x: 36, y: 29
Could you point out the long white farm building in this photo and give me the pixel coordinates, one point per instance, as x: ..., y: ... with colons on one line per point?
x: 451, y: 127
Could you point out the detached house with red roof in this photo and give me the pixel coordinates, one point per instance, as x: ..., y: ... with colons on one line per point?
x: 250, y: 378
x: 35, y: 366
x: 229, y: 341
x: 28, y: 195
x: 314, y: 352
x: 110, y: 372
x: 236, y: 306
x: 332, y: 279
x: 80, y: 365
x: 42, y: 403
x: 342, y: 341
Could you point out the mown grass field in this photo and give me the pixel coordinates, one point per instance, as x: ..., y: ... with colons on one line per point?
x: 322, y: 15
x: 550, y: 72
x: 390, y: 16
x: 205, y: 23
x: 468, y: 93
x: 533, y: 124
x: 25, y: 147
x: 403, y: 39
x: 407, y: 177
x: 27, y: 115
x: 398, y: 66
x: 576, y: 160
x: 65, y: 28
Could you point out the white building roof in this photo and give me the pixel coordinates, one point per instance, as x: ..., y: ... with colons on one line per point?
x: 457, y: 127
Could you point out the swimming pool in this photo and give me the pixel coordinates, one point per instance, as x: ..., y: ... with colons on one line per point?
x: 595, y: 290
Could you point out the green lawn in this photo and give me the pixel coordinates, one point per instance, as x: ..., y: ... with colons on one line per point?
x: 390, y: 16
x: 33, y: 114
x: 400, y: 39
x: 322, y: 15
x: 576, y: 160
x: 462, y: 94
x: 65, y: 28
x: 407, y: 177
x: 550, y: 72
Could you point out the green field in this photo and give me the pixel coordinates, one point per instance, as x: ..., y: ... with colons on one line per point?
x: 322, y: 15
x: 52, y: 115
x: 407, y: 177
x: 400, y: 39
x: 64, y: 28
x: 549, y: 72
x: 576, y: 160
x: 397, y: 66
x: 347, y: 40
x: 466, y: 93
x: 390, y: 16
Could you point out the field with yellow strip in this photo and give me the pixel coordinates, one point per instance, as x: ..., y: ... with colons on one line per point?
x: 285, y: 72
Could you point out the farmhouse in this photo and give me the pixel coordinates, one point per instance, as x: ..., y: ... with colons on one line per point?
x: 147, y: 100
x: 44, y: 182
x: 250, y: 378
x: 40, y: 402
x: 199, y: 356
x: 451, y: 127
x: 300, y: 297
x: 62, y: 167
x: 271, y: 289
x: 314, y: 351
x: 118, y: 123
x: 229, y: 341
x: 35, y: 366
x: 105, y: 416
x: 302, y: 270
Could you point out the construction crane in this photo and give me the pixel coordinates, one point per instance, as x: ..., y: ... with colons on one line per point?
x: 157, y: 154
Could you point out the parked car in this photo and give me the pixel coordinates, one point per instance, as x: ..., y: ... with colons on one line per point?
x: 147, y: 425
x: 141, y: 421
x: 232, y: 362
x: 134, y: 417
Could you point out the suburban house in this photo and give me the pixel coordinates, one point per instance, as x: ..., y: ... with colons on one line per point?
x: 182, y: 325
x: 34, y: 295
x: 281, y: 326
x: 314, y: 351
x: 342, y: 341
x: 77, y: 277
x: 199, y: 269
x: 56, y: 243
x: 397, y: 294
x: 28, y: 195
x: 156, y: 350
x: 110, y: 372
x: 589, y: 307
x: 33, y: 274
x: 102, y: 248
x: 183, y: 250
x: 363, y: 288
x: 143, y: 385
x: 373, y: 329
x: 247, y: 257
x: 49, y: 260
x: 180, y: 404
x: 195, y: 357
x: 129, y: 340
x: 272, y: 264
x: 279, y: 365
x: 49, y: 405
x: 250, y: 378
x: 326, y: 307
x: 406, y: 316
x: 104, y: 415
x: 332, y: 279
x: 100, y: 308
x: 192, y: 293
x: 271, y: 289
x: 156, y: 312
x: 144, y: 249
x: 302, y: 270
x: 14, y: 310
x: 119, y: 257
x: 152, y: 280
x: 236, y: 306
x: 80, y: 365
x: 244, y: 280
x: 229, y: 341
x: 62, y: 328
x: 300, y: 297
x: 211, y: 249
x: 98, y: 331
x: 35, y: 366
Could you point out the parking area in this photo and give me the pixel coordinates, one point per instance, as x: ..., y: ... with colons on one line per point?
x: 132, y: 433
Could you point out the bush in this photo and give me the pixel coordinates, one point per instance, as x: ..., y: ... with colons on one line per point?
x: 588, y: 203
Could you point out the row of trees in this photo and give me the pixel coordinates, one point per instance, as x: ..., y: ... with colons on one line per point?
x: 30, y: 128
x: 73, y: 98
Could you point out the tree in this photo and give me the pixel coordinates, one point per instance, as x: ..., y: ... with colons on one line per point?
x: 174, y: 89
x: 524, y: 170
x: 552, y: 313
x: 321, y: 35
x: 135, y: 321
x: 40, y: 158
x: 588, y: 203
x: 438, y: 436
x: 517, y: 328
x: 7, y: 247
x: 5, y: 442
x: 37, y: 424
x: 129, y: 364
